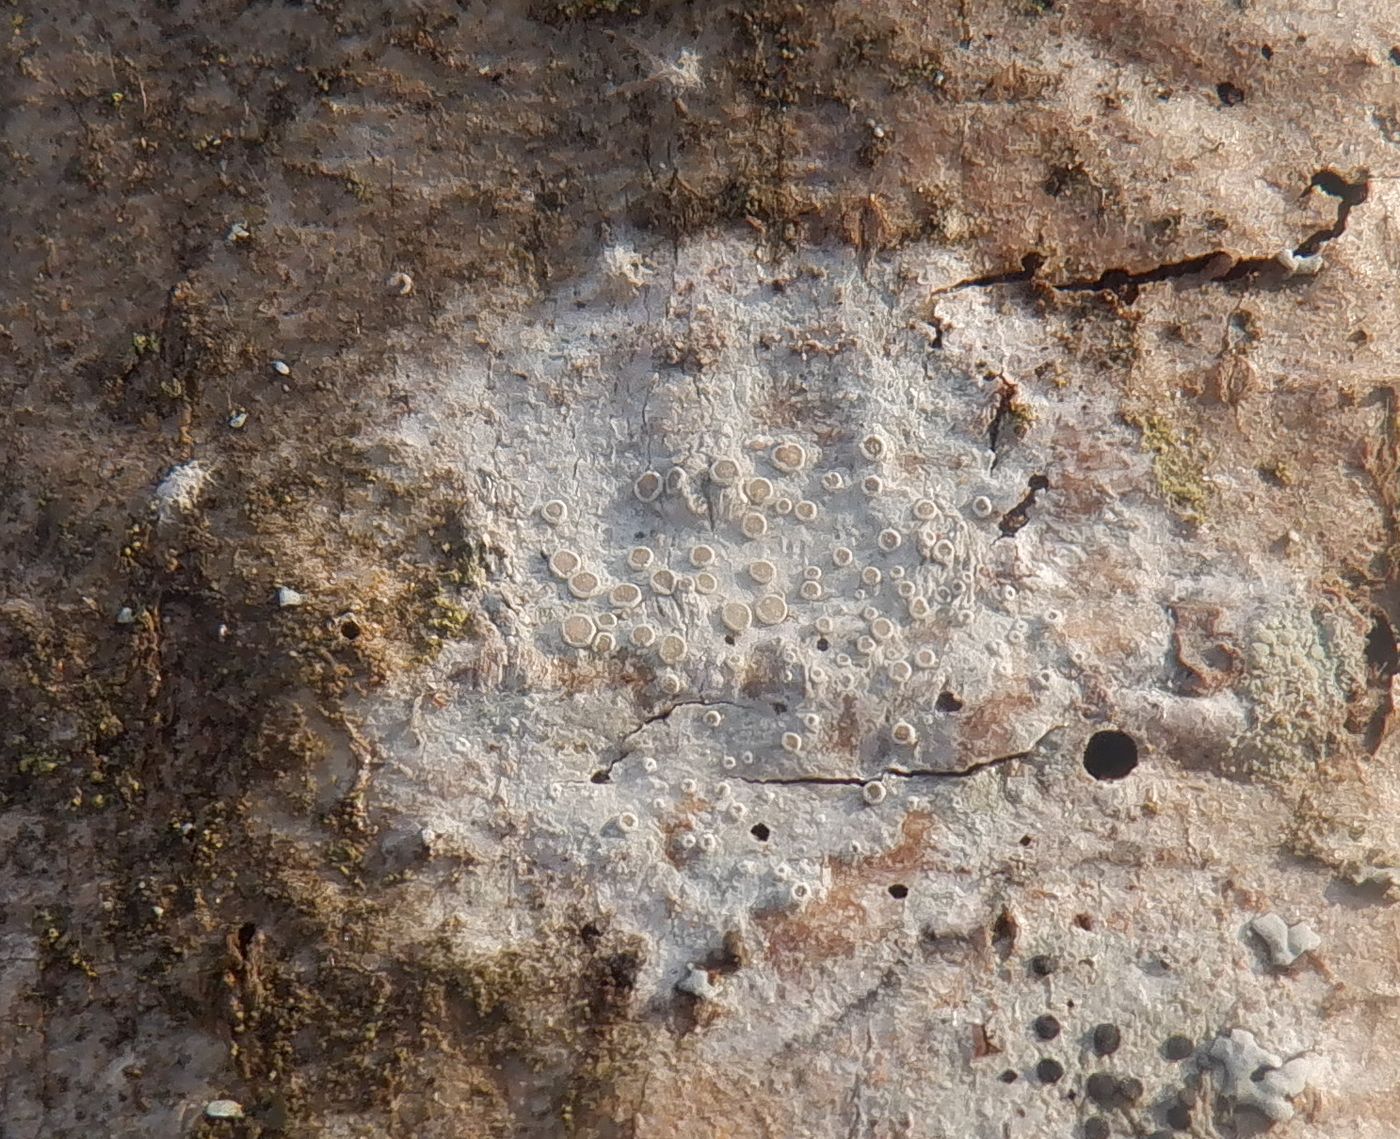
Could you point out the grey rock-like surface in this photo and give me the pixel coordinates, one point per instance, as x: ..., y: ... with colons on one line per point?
x: 582, y: 568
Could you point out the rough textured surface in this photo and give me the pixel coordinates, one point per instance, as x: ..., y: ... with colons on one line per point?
x: 614, y: 569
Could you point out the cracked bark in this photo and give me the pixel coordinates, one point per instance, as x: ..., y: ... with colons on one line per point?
x: 903, y: 772
x: 604, y: 774
x: 1216, y: 267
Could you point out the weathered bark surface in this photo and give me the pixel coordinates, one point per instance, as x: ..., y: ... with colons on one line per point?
x: 596, y: 568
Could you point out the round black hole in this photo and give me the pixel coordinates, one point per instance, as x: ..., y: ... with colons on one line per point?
x: 1042, y: 965
x: 1107, y: 1039
x: 1177, y: 1047
x: 1026, y: 840
x: 759, y: 831
x: 899, y: 891
x: 823, y: 644
x: 600, y: 776
x: 779, y: 706
x: 1008, y: 1077
x: 1228, y: 94
x: 1096, y: 1127
x: 728, y: 638
x: 1046, y: 1027
x: 1110, y: 755
x: 349, y: 630
x: 947, y: 702
x: 1102, y: 1088
x: 1049, y: 1071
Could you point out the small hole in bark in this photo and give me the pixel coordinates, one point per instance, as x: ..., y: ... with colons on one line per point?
x: 1229, y: 94
x: 1110, y: 755
x: 349, y: 630
x: 600, y: 776
x: 1381, y: 652
x: 1049, y: 1071
x: 1008, y: 1077
x: 728, y: 638
x: 823, y: 644
x: 759, y: 831
x: 1102, y: 1088
x: 1107, y: 1039
x: 899, y: 891
x: 1005, y: 931
x: 1395, y: 56
x: 1267, y: 52
x: 947, y: 702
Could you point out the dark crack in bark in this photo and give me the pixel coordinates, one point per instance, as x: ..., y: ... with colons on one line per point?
x: 604, y: 774
x: 1216, y: 267
x: 902, y: 772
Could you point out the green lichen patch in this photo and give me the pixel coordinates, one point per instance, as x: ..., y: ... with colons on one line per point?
x: 1179, y: 461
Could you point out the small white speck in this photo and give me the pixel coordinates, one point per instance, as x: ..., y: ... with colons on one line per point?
x: 758, y: 490
x: 789, y: 457
x: 724, y: 472
x: 753, y: 525
x: 762, y: 572
x: 577, y: 630
x: 872, y: 447
x: 873, y: 793
x: 583, y: 584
